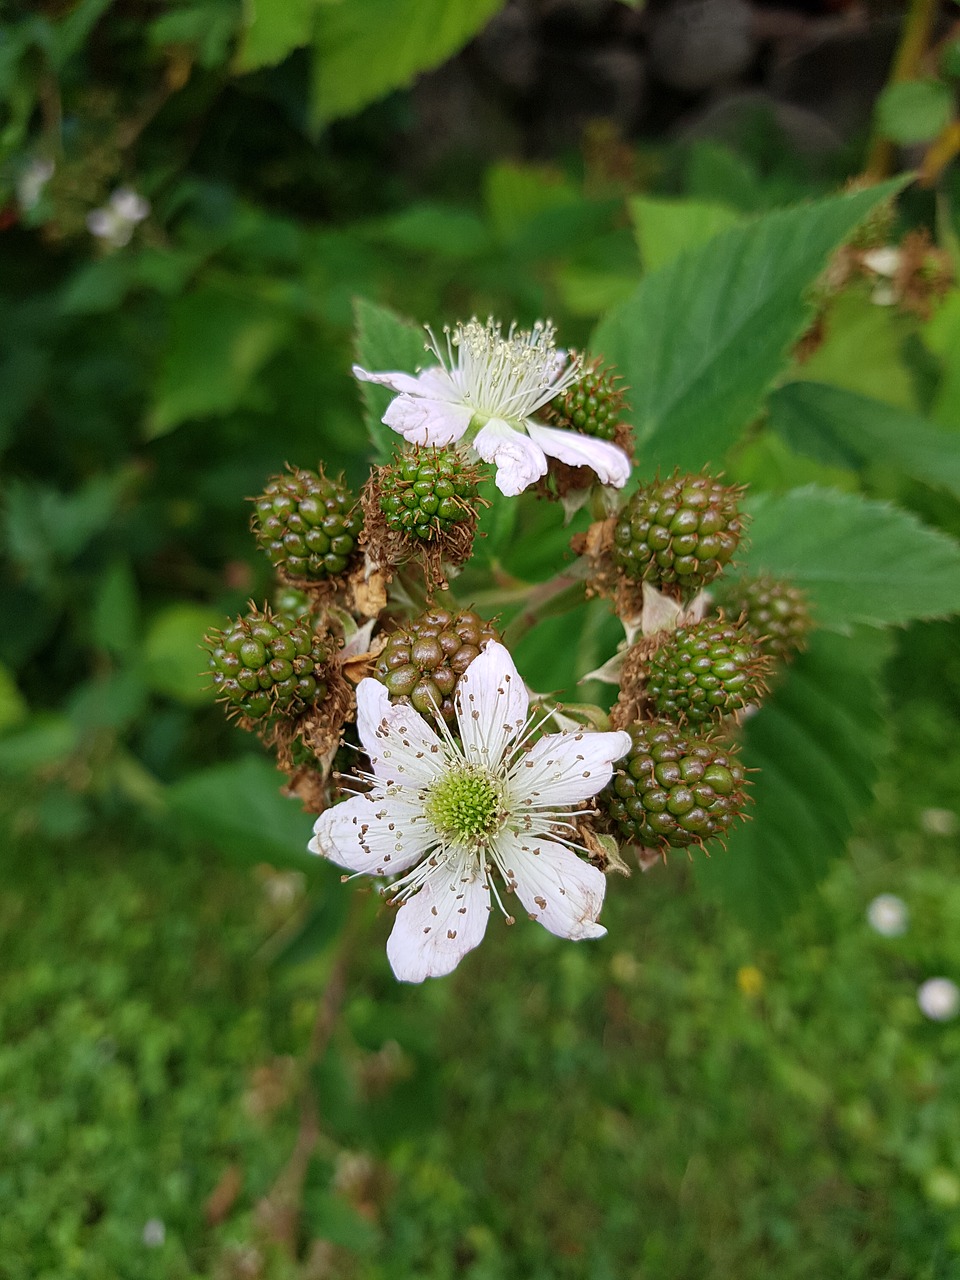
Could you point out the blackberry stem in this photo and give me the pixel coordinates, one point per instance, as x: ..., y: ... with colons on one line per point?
x: 546, y: 600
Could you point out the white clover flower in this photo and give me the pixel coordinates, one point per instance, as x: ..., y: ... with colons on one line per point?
x: 888, y: 915
x: 444, y: 814
x: 484, y: 391
x: 116, y: 220
x: 154, y: 1233
x: 939, y: 999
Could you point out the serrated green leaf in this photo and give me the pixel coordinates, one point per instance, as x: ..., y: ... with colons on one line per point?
x: 860, y: 561
x: 220, y: 339
x: 207, y: 28
x: 841, y: 428
x: 517, y: 194
x: 383, y: 341
x: 272, y: 29
x: 366, y: 48
x: 435, y: 229
x: 701, y: 340
x: 817, y: 744
x: 46, y: 528
x: 914, y: 110
x: 665, y: 228
x: 240, y: 809
x: 174, y: 661
x: 862, y: 350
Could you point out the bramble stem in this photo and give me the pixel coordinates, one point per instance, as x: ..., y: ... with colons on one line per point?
x: 278, y: 1213
x: 547, y: 599
x: 913, y: 44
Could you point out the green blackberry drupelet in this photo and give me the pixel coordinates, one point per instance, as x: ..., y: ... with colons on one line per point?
x: 673, y: 790
x: 307, y: 524
x: 593, y: 405
x: 776, y: 613
x: 680, y: 531
x: 426, y: 492
x: 423, y: 660
x: 265, y: 664
x: 705, y: 671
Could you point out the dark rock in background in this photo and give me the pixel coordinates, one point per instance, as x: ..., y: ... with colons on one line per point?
x: 543, y: 72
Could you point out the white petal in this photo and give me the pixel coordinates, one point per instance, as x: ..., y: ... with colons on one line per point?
x: 101, y: 223
x: 436, y: 384
x: 558, y: 889
x: 520, y: 462
x: 565, y: 768
x: 403, y: 382
x: 423, y: 420
x: 129, y: 206
x: 885, y: 261
x: 372, y: 834
x: 441, y: 922
x: 400, y: 743
x: 609, y: 462
x: 491, y: 704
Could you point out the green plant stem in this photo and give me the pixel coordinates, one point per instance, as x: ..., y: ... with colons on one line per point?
x: 547, y: 599
x: 278, y: 1213
x: 914, y: 42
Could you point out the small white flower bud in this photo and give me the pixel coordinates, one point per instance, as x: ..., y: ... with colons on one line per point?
x: 939, y: 999
x: 888, y: 915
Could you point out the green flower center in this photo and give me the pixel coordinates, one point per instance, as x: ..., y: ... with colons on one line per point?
x: 466, y: 806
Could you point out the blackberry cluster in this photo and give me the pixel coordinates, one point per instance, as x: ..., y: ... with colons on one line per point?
x: 705, y: 671
x: 307, y: 524
x: 776, y: 613
x: 426, y: 492
x: 683, y: 530
x: 424, y: 659
x: 265, y: 664
x: 673, y: 790
x: 593, y: 405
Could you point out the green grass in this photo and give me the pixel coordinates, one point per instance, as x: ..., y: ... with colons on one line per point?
x: 640, y: 1107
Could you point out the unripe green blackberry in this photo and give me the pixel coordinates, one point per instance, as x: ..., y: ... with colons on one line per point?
x: 265, y: 664
x: 705, y: 671
x: 593, y: 405
x: 682, y: 530
x: 675, y: 790
x: 307, y: 524
x: 427, y: 491
x: 776, y: 613
x: 291, y: 602
x: 423, y: 660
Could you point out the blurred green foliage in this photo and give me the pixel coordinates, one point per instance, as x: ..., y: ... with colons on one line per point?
x: 633, y: 1108
x: 155, y: 375
x: 672, y: 1101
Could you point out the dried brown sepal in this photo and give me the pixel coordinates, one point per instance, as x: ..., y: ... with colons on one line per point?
x: 357, y: 666
x: 632, y: 704
x: 388, y: 548
x: 603, y: 847
x: 924, y: 274
x: 366, y: 589
x: 315, y: 735
x: 604, y: 578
